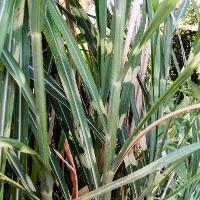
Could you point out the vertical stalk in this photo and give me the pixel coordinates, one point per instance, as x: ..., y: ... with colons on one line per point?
x: 25, y: 51
x: 156, y: 65
x: 36, y: 13
x: 102, y: 5
x: 37, y: 10
x: 113, y: 115
x: 7, y: 101
x: 40, y: 93
x: 17, y: 52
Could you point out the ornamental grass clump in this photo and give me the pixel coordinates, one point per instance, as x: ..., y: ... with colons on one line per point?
x: 89, y: 108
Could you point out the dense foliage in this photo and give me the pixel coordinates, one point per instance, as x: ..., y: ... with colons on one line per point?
x: 102, y: 105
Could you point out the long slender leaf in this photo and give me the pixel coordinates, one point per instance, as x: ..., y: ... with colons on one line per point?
x: 71, y: 91
x: 156, y: 165
x: 184, y: 75
x: 59, y: 176
x: 17, y: 185
x: 19, y: 77
x: 58, y: 94
x: 45, y: 175
x: 78, y: 59
x: 161, y: 14
x: 184, y: 186
x: 20, y: 172
x: 6, y: 8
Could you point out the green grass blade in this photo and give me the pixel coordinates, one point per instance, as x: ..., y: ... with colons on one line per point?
x: 40, y: 93
x: 8, y: 180
x: 58, y: 94
x: 193, y: 62
x: 6, y: 8
x: 181, y: 11
x: 20, y: 172
x: 71, y: 91
x: 130, y: 163
x: 156, y: 165
x: 78, y: 60
x: 20, y: 147
x: 196, y: 177
x: 24, y: 60
x: 52, y: 88
x: 43, y: 170
x: 85, y: 26
x: 6, y: 119
x: 136, y: 116
x: 126, y: 95
x: 19, y: 77
x: 155, y: 85
x: 113, y: 114
x: 58, y: 174
x: 20, y: 101
x: 7, y: 103
x: 66, y: 122
x: 144, y: 92
x: 16, y: 52
x: 37, y: 12
x: 159, y: 180
x: 161, y: 14
x: 102, y: 24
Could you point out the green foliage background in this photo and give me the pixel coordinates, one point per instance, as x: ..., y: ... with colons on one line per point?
x: 99, y: 107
